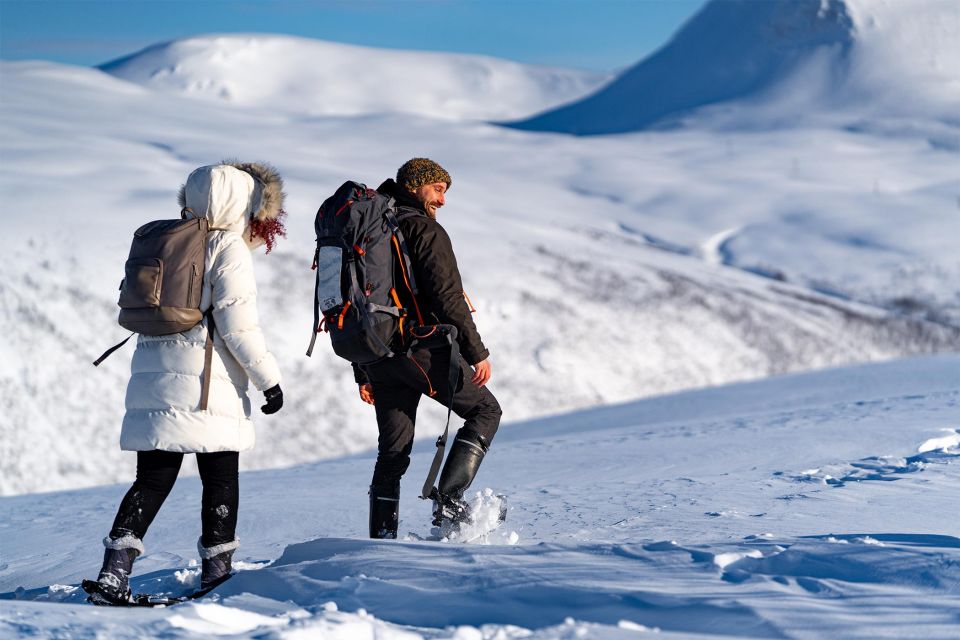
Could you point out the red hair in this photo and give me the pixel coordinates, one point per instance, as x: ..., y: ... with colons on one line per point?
x: 269, y: 229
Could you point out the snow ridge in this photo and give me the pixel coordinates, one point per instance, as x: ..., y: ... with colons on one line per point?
x: 312, y: 78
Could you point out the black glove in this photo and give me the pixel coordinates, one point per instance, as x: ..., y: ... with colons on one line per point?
x: 274, y: 398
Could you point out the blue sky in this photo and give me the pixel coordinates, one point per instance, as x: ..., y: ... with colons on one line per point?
x: 588, y: 34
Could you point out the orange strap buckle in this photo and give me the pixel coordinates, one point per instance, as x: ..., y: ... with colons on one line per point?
x: 343, y: 312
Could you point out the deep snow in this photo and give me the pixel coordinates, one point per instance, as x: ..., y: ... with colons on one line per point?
x: 807, y: 506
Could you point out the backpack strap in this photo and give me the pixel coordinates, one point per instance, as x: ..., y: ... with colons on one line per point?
x: 453, y: 377
x: 108, y: 352
x: 207, y: 362
x: 316, y: 302
x: 393, y: 222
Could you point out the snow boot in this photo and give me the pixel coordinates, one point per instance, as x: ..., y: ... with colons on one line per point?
x: 384, y: 511
x: 216, y: 562
x: 458, y: 473
x: 112, y: 586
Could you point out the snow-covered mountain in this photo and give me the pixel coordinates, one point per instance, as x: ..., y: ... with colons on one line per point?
x: 762, y: 64
x: 604, y: 268
x: 809, y: 506
x: 308, y: 77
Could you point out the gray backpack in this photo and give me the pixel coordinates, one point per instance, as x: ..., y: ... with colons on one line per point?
x: 162, y: 284
x: 160, y: 292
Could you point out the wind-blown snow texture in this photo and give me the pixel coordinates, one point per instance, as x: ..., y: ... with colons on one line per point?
x: 604, y: 268
x: 809, y: 506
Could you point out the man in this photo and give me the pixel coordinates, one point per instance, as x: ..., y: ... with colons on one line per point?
x: 394, y: 386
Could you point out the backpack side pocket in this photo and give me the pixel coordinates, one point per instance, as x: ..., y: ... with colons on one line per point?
x: 141, y: 283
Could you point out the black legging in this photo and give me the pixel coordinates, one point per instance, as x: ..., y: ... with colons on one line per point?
x: 156, y: 473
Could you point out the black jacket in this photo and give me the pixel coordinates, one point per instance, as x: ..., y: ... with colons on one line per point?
x: 440, y: 295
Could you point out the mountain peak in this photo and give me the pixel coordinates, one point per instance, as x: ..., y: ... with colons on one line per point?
x: 823, y: 52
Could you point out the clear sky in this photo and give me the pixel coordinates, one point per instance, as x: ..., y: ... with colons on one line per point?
x: 587, y: 34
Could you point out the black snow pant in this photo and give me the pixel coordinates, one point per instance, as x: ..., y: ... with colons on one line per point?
x: 156, y: 473
x: 398, y: 384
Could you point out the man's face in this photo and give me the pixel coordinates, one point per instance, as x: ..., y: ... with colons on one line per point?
x: 432, y: 196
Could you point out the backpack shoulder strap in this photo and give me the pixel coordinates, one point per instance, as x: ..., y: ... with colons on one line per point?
x: 393, y: 220
x: 207, y: 362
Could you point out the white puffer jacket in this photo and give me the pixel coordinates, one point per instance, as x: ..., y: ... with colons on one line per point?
x: 163, y: 396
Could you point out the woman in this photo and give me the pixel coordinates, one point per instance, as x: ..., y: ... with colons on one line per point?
x: 163, y: 421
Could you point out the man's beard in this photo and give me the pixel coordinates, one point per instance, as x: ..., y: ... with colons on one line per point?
x: 431, y: 210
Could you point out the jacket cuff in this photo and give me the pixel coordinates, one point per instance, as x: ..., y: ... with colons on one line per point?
x: 474, y: 358
x: 359, y: 375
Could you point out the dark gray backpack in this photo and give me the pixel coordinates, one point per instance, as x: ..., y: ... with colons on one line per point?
x: 355, y: 297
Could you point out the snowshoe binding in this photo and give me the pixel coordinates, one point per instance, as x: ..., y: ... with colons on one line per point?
x: 112, y: 586
x: 449, y: 513
x: 460, y: 521
x: 156, y: 600
x: 105, y: 595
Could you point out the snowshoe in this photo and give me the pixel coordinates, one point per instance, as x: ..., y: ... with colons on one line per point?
x: 105, y: 595
x: 457, y: 520
x: 156, y: 600
x: 449, y: 511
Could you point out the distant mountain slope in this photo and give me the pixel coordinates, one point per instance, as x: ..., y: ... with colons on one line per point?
x: 312, y: 77
x: 797, y: 56
x: 560, y: 241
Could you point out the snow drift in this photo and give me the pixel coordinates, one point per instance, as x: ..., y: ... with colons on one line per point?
x: 688, y: 514
x: 789, y: 61
x: 605, y: 268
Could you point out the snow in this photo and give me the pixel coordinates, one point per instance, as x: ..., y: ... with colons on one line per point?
x: 314, y: 78
x: 844, y: 253
x: 682, y: 513
x: 666, y: 309
x: 943, y: 444
x: 855, y: 62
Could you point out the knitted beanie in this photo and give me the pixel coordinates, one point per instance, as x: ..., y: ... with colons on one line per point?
x: 420, y: 171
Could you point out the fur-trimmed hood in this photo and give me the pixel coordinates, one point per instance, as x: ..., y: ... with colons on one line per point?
x: 269, y: 193
x: 232, y: 194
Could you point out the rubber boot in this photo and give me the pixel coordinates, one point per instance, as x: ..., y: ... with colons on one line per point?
x: 458, y: 473
x: 113, y: 583
x: 384, y: 511
x: 216, y: 562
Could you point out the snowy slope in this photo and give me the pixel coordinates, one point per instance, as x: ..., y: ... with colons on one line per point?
x: 763, y: 64
x: 311, y: 77
x: 602, y: 273
x: 807, y: 506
